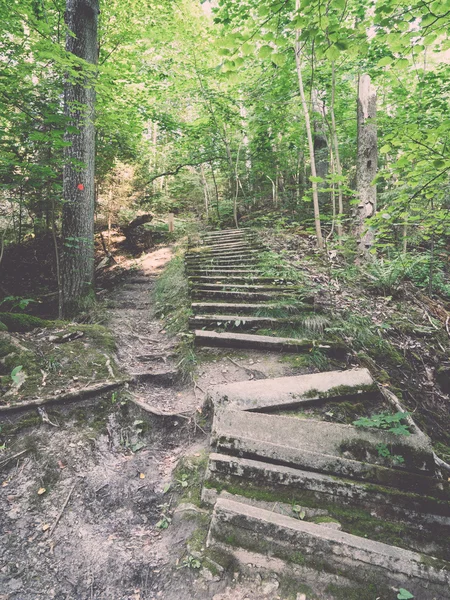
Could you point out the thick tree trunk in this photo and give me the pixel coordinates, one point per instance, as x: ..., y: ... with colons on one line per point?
x: 366, y: 167
x: 79, y: 159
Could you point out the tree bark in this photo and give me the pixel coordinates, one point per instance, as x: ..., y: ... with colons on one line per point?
x: 367, y: 162
x: 320, y: 145
x: 79, y: 158
x: 309, y: 135
x: 337, y: 158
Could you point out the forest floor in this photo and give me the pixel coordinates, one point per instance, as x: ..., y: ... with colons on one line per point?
x: 103, y: 502
x: 89, y: 503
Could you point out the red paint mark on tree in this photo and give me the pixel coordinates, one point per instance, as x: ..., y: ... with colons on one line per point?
x: 80, y: 186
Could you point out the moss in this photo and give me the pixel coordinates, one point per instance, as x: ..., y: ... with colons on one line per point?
x: 435, y: 563
x: 188, y: 477
x: 342, y: 390
x: 21, y: 322
x: 355, y: 520
x: 357, y: 592
x: 324, y: 519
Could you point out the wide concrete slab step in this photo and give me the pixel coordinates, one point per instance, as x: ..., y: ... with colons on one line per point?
x: 256, y: 478
x: 291, y: 392
x: 240, y: 308
x: 250, y: 287
x: 209, y: 253
x: 324, y: 447
x: 202, y: 292
x: 233, y: 279
x: 223, y: 262
x: 247, y: 271
x: 236, y: 321
x: 259, y: 342
x: 326, y: 550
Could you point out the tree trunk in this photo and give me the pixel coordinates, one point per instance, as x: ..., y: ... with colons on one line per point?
x: 309, y: 135
x: 337, y: 159
x: 366, y: 167
x: 320, y: 146
x: 79, y: 159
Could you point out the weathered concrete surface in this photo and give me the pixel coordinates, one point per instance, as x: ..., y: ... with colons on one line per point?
x: 247, y: 296
x: 207, y: 307
x: 236, y: 321
x: 241, y: 340
x: 287, y: 482
x: 288, y: 392
x: 248, y: 287
x: 321, y: 446
x: 328, y: 550
x: 231, y: 279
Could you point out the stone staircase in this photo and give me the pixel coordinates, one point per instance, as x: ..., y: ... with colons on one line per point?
x: 338, y: 511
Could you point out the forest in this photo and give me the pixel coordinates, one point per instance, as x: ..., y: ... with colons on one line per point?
x: 307, y: 138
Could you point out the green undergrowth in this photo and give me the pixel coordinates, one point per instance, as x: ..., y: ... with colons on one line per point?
x: 339, y: 411
x: 20, y: 322
x: 61, y: 359
x: 173, y: 306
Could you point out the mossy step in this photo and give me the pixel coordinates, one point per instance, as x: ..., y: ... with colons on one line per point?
x: 223, y: 247
x: 258, y: 342
x: 327, y: 550
x: 222, y: 256
x: 294, y: 391
x: 260, y: 479
x: 236, y: 321
x: 218, y: 307
x: 243, y: 262
x: 222, y: 271
x: 248, y: 287
x: 325, y: 447
x: 218, y: 279
x: 201, y: 292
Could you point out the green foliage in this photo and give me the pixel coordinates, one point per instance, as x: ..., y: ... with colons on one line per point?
x: 392, y: 423
x: 404, y: 594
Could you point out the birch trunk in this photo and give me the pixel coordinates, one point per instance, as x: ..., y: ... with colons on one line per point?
x: 309, y: 135
x: 78, y: 181
x: 337, y: 159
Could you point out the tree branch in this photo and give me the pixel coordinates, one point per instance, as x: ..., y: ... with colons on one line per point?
x: 178, y: 168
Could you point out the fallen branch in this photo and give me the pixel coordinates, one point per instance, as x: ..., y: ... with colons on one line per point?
x: 154, y: 411
x: 7, y: 460
x: 62, y: 510
x: 96, y: 388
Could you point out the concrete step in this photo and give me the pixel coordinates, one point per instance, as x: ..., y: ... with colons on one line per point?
x: 217, y: 279
x: 218, y: 246
x: 325, y: 447
x: 326, y: 550
x: 236, y: 321
x: 208, y: 253
x: 258, y: 342
x: 239, y: 262
x: 227, y: 307
x: 291, y: 392
x: 256, y: 478
x: 211, y: 258
x: 223, y: 271
x: 250, y: 287
x: 201, y: 292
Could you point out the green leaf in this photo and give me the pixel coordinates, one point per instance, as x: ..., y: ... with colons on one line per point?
x: 265, y: 51
x: 15, y: 374
x: 402, y: 63
x: 386, y: 60
x: 278, y: 59
x: 333, y: 52
x: 404, y: 594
